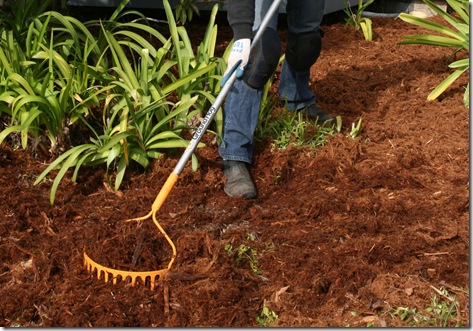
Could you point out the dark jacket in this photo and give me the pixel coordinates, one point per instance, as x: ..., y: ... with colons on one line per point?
x: 241, y: 15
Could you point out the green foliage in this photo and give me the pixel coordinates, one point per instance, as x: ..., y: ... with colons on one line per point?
x: 185, y: 11
x: 441, y: 312
x: 455, y: 35
x: 266, y: 317
x: 119, y: 144
x: 268, y: 103
x: 58, y: 72
x: 288, y: 128
x: 245, y: 254
x: 356, y: 20
x: 21, y: 13
x: 355, y: 129
x: 43, y: 76
x: 291, y: 128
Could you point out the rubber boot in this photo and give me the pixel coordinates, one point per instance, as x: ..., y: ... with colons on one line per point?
x: 239, y: 183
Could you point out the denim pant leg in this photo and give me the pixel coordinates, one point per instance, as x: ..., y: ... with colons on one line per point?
x: 302, y: 16
x: 240, y: 114
x: 261, y: 8
x: 240, y: 117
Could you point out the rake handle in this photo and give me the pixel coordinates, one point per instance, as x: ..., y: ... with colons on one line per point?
x: 172, y: 178
x: 221, y: 96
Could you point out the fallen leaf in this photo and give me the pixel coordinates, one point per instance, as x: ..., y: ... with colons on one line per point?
x: 279, y: 292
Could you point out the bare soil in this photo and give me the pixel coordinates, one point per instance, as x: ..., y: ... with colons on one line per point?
x: 344, y: 234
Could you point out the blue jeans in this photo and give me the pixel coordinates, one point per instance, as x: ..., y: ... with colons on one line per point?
x: 240, y: 114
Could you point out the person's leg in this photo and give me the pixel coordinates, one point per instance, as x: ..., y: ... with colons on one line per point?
x: 303, y: 49
x: 261, y: 8
x: 240, y: 115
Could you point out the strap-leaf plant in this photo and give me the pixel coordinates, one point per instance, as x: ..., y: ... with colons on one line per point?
x: 139, y: 120
x: 455, y: 34
x: 356, y: 19
x: 55, y: 71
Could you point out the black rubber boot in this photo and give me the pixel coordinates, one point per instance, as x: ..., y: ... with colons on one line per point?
x: 314, y: 112
x: 239, y: 183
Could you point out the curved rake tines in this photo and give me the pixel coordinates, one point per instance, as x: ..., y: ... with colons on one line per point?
x: 149, y: 278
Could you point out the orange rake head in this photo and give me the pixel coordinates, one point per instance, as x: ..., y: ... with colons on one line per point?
x: 147, y: 278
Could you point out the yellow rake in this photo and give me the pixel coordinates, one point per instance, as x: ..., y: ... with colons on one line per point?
x: 151, y: 277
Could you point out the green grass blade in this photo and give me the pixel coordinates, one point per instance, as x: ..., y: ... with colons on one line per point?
x: 163, y: 136
x: 208, y: 42
x: 461, y: 8
x: 175, y: 143
x: 140, y: 156
x: 121, y: 60
x: 121, y: 168
x: 460, y: 63
x: 55, y: 164
x: 14, y: 77
x: 442, y: 13
x: 139, y: 40
x: 174, y: 33
x: 433, y: 40
x: 114, y: 141
x: 9, y: 130
x: 5, y: 63
x: 445, y: 84
x: 367, y: 29
x: 424, y: 23
x: 119, y: 9
x: 144, y: 28
x: 187, y: 79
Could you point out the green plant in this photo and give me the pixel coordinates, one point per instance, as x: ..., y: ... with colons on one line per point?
x: 444, y: 311
x: 44, y: 72
x: 458, y: 38
x: 355, y: 129
x: 288, y: 128
x: 52, y: 79
x: 117, y: 145
x: 357, y: 21
x: 185, y: 10
x: 244, y: 253
x: 138, y: 120
x: 407, y: 314
x: 268, y: 104
x: 266, y: 316
x: 439, y: 313
x: 20, y: 15
x: 293, y: 129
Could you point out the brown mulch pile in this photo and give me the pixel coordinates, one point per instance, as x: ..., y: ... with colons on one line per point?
x: 344, y: 234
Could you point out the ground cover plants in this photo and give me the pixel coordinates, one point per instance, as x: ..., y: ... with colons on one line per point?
x: 370, y: 229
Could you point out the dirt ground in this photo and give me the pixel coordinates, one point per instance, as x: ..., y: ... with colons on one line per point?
x: 344, y: 235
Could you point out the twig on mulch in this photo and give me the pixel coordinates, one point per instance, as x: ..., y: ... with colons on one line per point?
x: 138, y: 248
